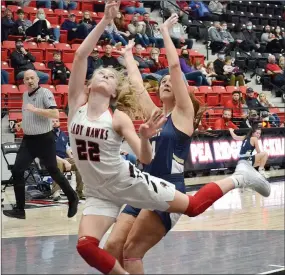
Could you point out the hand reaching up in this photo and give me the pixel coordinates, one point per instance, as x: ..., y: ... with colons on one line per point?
x: 170, y: 22
x: 111, y: 9
x: 127, y: 49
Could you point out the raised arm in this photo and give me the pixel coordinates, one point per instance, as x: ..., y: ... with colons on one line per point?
x: 136, y: 80
x: 183, y: 104
x: 235, y: 137
x: 76, y: 95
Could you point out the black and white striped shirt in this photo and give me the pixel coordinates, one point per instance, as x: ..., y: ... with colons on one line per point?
x: 33, y: 124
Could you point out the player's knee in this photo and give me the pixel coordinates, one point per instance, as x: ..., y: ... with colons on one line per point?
x: 133, y: 249
x: 265, y: 154
x: 114, y: 247
x: 89, y: 250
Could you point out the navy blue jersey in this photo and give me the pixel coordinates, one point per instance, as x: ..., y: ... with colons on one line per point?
x: 170, y: 150
x: 246, y: 148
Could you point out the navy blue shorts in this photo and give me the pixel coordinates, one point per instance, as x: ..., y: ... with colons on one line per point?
x: 250, y: 159
x: 166, y: 218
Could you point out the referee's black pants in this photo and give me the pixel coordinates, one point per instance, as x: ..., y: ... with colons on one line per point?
x: 42, y: 147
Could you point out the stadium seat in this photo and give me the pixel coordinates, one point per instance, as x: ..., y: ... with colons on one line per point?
x: 63, y: 90
x: 62, y: 46
x: 4, y: 54
x: 68, y: 55
x: 200, y: 96
x: 14, y: 99
x: 57, y: 95
x: 137, y: 124
x: 13, y: 8
x: 5, y: 66
x: 10, y: 45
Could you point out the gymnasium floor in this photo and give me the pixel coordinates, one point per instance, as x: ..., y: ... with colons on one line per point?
x: 242, y: 233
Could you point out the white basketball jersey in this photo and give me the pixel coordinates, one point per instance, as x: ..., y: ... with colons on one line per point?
x: 96, y: 148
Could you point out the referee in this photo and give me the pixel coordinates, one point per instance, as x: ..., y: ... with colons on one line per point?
x: 39, y: 107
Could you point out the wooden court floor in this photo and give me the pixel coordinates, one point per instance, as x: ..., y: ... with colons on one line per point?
x: 241, y: 233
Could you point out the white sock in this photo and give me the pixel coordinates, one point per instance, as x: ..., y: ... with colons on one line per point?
x: 238, y: 180
x: 260, y: 169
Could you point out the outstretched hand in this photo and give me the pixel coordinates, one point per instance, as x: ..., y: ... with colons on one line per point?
x: 153, y: 125
x: 111, y: 9
x: 127, y: 49
x: 172, y: 20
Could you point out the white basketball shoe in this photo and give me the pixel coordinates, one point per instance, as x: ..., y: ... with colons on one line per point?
x: 247, y: 177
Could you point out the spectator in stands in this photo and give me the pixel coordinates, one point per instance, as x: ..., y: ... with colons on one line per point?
x: 65, y: 161
x: 280, y: 36
x: 225, y: 123
x: 277, y: 74
x: 206, y: 71
x: 143, y: 63
x: 111, y: 32
x: 273, y: 118
x: 58, y: 70
x: 178, y: 37
x: 149, y: 31
x: 169, y: 7
x: 72, y: 28
x: 190, y: 72
x: 59, y: 4
x: 250, y: 38
x: 226, y: 37
x: 158, y: 35
x: 230, y: 68
x: 237, y: 106
x: 94, y: 62
x: 217, y: 8
x: 272, y: 44
x: 42, y: 30
x: 198, y: 9
x: 137, y: 29
x: 239, y: 38
x: 252, y: 102
x: 229, y: 78
x: 4, y: 77
x: 132, y: 7
x: 21, y: 24
x: 251, y: 120
x: 87, y: 22
x: 121, y: 25
x: 282, y: 62
x: 109, y: 60
x: 22, y: 60
x: 7, y: 24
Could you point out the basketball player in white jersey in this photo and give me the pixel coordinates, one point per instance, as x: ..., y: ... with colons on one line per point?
x: 96, y: 134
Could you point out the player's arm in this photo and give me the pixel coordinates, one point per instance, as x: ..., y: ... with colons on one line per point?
x: 183, y: 103
x: 254, y: 140
x: 236, y: 137
x: 124, y: 127
x: 136, y: 81
x: 76, y: 95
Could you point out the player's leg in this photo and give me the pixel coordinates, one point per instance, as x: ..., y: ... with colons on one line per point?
x: 259, y: 161
x: 118, y: 236
x: 97, y: 218
x: 147, y: 230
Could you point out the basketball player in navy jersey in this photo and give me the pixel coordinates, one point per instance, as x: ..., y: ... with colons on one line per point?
x: 136, y: 231
x: 96, y: 132
x: 250, y: 144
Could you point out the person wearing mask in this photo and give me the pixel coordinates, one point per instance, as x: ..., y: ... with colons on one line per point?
x: 226, y: 37
x: 277, y: 74
x: 237, y: 105
x: 109, y: 60
x: 225, y: 123
x: 21, y: 24
x: 280, y: 36
x: 7, y: 24
x: 251, y: 38
x: 272, y: 44
x: 179, y: 37
x: 22, y: 60
x: 229, y: 78
x: 252, y: 102
x: 93, y: 63
x: 65, y: 161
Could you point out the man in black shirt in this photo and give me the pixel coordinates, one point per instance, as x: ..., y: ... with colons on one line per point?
x: 108, y: 59
x: 252, y: 102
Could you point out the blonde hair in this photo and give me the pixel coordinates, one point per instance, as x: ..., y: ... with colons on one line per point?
x: 126, y: 99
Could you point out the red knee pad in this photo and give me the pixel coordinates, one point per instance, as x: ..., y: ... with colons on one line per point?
x: 88, y: 248
x: 203, y: 199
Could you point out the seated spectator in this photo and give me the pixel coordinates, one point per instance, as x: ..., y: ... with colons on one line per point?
x: 158, y: 67
x: 207, y: 71
x: 121, y: 25
x: 22, y: 60
x: 237, y: 105
x: 4, y: 77
x: 94, y: 63
x: 132, y: 7
x: 111, y: 32
x: 59, y: 4
x: 21, y: 24
x: 225, y: 123
x: 280, y: 36
x: 149, y: 31
x: 42, y: 30
x: 239, y: 38
x: 217, y: 9
x: 229, y: 78
x: 137, y: 30
x: 252, y: 102
x: 172, y: 6
x: 226, y: 37
x: 87, y: 22
x: 178, y: 37
x: 272, y: 44
x: 158, y: 36
x: 190, y: 72
x: 251, y: 120
x: 73, y: 29
x: 65, y: 161
x: 251, y: 38
x: 58, y: 69
x: 275, y: 71
x: 282, y: 62
x: 273, y: 118
x: 109, y: 60
x: 229, y: 68
x: 198, y: 9
x: 7, y: 24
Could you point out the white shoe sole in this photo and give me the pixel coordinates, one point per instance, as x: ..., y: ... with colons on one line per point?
x: 255, y: 180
